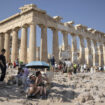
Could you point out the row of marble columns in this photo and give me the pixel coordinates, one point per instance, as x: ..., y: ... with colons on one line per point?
x: 5, y: 43
x: 98, y: 56
x: 94, y: 55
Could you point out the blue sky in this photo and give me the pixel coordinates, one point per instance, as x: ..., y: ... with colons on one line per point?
x: 90, y: 13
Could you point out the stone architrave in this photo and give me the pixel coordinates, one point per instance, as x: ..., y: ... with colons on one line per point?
x: 82, y: 50
x: 74, y: 49
x: 55, y: 45
x: 1, y: 42
x: 43, y: 48
x: 23, y: 46
x: 14, y: 53
x: 32, y: 42
x: 101, y: 60
x: 65, y: 40
x: 95, y: 53
x: 7, y: 46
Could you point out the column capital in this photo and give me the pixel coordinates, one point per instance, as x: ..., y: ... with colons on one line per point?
x: 88, y: 39
x: 72, y: 34
x: 54, y: 29
x: 24, y: 26
x: 64, y: 32
x: 42, y: 26
x: 16, y: 29
x: 1, y: 34
x: 80, y: 36
x: 8, y: 32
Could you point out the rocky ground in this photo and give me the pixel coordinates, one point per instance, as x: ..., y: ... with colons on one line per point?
x: 81, y: 89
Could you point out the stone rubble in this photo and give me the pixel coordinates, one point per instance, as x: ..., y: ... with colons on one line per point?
x: 81, y: 89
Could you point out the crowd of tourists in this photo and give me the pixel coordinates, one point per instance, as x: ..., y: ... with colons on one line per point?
x: 34, y: 84
x: 72, y: 68
x: 67, y: 66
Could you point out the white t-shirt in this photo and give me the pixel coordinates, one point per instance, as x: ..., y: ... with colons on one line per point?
x: 56, y: 65
x: 84, y: 66
x: 68, y: 63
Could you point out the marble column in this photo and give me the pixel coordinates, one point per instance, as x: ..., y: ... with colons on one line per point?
x: 101, y: 60
x: 32, y: 42
x: 89, y: 54
x: 104, y: 52
x: 38, y: 53
x: 55, y: 45
x: 23, y: 46
x: 65, y: 40
x: 7, y: 46
x: 14, y: 53
x: 1, y: 42
x: 44, y: 54
x: 82, y: 50
x: 74, y: 49
x: 102, y: 55
x: 95, y: 54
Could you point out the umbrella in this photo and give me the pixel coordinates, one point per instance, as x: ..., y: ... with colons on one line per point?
x: 37, y: 64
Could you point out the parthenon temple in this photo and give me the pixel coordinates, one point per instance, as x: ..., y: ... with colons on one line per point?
x: 29, y: 17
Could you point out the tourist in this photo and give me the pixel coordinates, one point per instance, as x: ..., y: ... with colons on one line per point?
x: 40, y: 82
x: 17, y: 62
x: 14, y: 64
x: 69, y: 71
x: 2, y: 64
x: 92, y: 70
x: 19, y: 76
x: 7, y: 65
x: 99, y: 68
x: 85, y: 67
x: 88, y: 68
x: 32, y: 88
x: 53, y: 62
x: 56, y: 66
x: 81, y: 68
x: 104, y: 68
x: 78, y: 67
x: 24, y: 76
x: 75, y: 68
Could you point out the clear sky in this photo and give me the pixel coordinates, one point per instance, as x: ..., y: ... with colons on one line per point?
x: 90, y: 13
